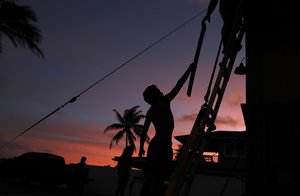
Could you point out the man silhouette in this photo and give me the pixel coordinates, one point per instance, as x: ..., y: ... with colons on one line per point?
x: 81, y: 176
x: 123, y: 170
x: 158, y: 166
x: 228, y: 10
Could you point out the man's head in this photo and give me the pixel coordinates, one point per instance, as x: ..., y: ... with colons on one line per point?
x: 83, y: 159
x: 152, y: 94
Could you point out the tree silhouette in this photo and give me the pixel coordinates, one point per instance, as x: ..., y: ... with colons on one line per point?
x: 17, y: 23
x: 128, y: 126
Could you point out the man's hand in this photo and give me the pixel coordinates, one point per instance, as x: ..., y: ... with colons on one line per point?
x: 141, y: 153
x: 192, y: 67
x: 206, y: 18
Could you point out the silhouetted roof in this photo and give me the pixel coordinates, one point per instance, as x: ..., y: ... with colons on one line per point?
x: 217, y: 135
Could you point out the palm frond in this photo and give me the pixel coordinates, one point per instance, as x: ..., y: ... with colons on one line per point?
x: 137, y: 129
x: 119, y: 117
x: 133, y: 116
x: 138, y: 118
x: 134, y: 108
x: 130, y: 135
x: 116, y: 138
x: 114, y: 127
x: 16, y: 22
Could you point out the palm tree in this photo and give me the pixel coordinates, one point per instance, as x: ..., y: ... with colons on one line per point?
x: 17, y: 23
x: 128, y: 126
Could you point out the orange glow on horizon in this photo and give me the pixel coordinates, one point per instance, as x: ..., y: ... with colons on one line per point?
x: 97, y: 153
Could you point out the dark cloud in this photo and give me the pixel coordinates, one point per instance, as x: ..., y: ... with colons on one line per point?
x: 220, y: 121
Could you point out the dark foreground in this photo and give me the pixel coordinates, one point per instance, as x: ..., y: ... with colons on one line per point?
x: 11, y: 188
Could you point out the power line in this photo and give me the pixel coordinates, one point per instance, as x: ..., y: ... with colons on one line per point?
x: 104, y: 77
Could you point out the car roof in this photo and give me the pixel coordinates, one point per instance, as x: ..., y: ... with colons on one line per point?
x: 41, y: 155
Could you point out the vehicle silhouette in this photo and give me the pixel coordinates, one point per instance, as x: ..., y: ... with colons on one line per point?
x: 44, y: 168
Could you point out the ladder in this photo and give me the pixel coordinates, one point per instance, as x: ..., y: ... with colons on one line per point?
x: 192, y: 150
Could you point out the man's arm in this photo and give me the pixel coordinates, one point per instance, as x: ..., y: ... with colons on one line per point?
x: 211, y: 7
x: 172, y: 94
x: 144, y: 134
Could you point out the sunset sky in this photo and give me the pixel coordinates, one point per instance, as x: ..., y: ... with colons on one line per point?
x: 83, y: 41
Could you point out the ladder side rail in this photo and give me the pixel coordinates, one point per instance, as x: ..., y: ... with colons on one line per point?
x: 216, y: 98
x: 185, y: 161
x: 197, y: 133
x: 214, y: 112
x: 216, y: 88
x: 186, y: 158
x: 226, y: 79
x: 225, y: 75
x: 196, y: 163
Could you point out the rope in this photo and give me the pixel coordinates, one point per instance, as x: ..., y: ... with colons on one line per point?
x: 104, y: 77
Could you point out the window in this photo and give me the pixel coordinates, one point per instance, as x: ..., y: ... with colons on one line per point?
x: 234, y: 148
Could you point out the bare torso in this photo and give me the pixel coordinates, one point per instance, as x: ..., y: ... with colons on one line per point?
x: 162, y: 119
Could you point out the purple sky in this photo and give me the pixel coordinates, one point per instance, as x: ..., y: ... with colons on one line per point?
x: 85, y: 40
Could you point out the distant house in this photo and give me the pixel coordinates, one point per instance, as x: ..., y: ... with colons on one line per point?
x: 224, y: 154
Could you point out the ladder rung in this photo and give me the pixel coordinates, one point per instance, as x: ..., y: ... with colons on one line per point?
x: 225, y: 72
x: 220, y: 92
x: 212, y: 112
